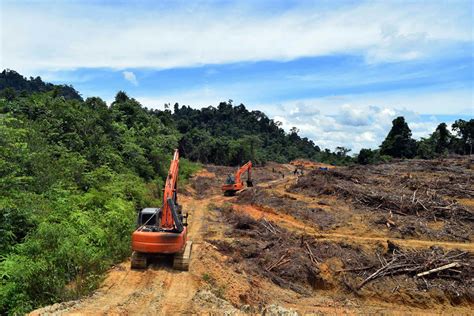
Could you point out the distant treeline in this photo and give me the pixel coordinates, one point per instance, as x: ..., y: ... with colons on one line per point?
x: 231, y: 135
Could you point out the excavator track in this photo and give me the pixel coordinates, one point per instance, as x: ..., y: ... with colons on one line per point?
x: 181, y: 260
x: 138, y: 261
x: 229, y: 193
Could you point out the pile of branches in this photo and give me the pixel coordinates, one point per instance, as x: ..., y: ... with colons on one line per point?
x: 386, y: 194
x: 446, y: 177
x: 426, y: 264
x: 451, y: 177
x: 288, y: 259
x: 293, y: 261
x: 402, y: 202
x: 454, y: 184
x: 268, y: 250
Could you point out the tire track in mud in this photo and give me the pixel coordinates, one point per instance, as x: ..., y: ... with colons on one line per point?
x: 182, y: 286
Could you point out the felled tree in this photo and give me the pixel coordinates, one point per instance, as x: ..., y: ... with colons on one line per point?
x: 398, y: 142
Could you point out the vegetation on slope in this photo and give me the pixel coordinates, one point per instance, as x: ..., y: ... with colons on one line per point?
x: 230, y: 135
x: 13, y: 84
x: 72, y: 175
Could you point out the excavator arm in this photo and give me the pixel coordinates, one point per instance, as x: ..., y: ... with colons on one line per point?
x: 169, y: 216
x: 247, y: 167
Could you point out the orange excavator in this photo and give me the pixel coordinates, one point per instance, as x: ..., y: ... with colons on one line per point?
x: 163, y: 231
x: 235, y: 183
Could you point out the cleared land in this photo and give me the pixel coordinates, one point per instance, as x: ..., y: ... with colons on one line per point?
x: 390, y: 238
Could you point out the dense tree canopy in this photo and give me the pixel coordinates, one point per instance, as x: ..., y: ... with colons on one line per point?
x: 465, y: 131
x: 12, y: 84
x: 231, y: 135
x: 399, y: 144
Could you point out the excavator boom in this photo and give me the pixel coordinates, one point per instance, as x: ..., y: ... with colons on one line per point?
x: 170, y: 193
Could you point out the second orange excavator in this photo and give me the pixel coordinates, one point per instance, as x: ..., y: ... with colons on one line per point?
x: 235, y: 183
x: 163, y: 231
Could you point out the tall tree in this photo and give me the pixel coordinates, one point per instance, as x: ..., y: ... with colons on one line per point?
x: 442, y: 138
x: 121, y: 97
x: 465, y: 130
x: 398, y: 142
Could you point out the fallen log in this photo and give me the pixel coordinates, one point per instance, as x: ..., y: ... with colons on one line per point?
x: 447, y: 266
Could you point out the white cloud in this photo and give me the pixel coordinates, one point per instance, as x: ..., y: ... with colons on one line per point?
x: 130, y: 76
x: 70, y: 35
x: 331, y: 130
x: 38, y: 37
x: 427, y: 102
x: 365, y: 137
x: 354, y: 116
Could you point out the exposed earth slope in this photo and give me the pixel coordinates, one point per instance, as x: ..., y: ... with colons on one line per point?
x: 333, y: 240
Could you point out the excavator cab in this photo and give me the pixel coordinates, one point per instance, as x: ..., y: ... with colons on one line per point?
x: 230, y: 179
x: 149, y: 218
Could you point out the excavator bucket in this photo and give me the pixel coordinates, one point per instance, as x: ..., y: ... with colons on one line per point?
x: 249, y: 183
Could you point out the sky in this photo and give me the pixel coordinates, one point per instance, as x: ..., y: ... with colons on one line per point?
x: 340, y: 71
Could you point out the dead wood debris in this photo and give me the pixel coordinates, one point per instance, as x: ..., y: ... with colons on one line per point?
x: 288, y: 259
x: 268, y: 200
x: 423, y: 263
x: 406, y: 193
x: 296, y: 261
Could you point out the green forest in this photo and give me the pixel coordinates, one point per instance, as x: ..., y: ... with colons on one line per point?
x: 73, y: 173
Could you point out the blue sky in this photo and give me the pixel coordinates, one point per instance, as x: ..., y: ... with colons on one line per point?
x: 338, y: 70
